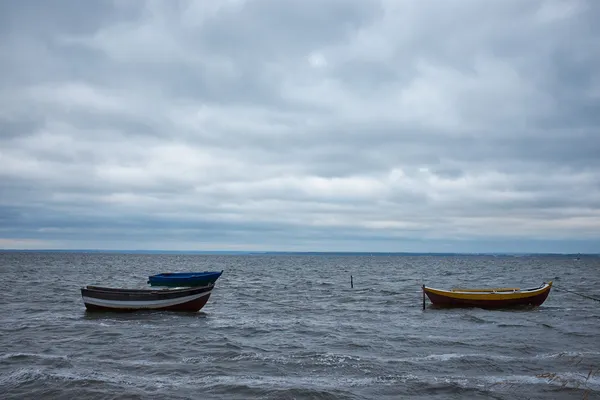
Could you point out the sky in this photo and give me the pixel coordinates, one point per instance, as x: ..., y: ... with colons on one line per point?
x: 315, y: 125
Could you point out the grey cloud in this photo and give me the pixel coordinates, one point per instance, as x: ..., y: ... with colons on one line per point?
x: 38, y: 17
x: 308, y: 125
x: 276, y: 29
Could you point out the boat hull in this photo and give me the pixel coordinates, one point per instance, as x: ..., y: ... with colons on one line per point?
x: 129, y: 300
x: 187, y: 279
x: 489, y: 300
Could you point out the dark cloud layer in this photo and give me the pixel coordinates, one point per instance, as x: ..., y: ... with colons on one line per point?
x: 317, y: 125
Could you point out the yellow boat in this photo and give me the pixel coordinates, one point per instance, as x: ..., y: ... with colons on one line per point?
x: 488, y: 298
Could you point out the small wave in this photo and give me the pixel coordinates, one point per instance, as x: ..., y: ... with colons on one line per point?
x: 301, y: 393
x: 473, y: 318
x: 231, y: 345
x: 40, y: 376
x: 505, y: 325
x: 27, y: 356
x: 568, y: 354
x: 569, y: 380
x: 450, y: 357
x: 444, y: 340
x: 390, y: 292
x: 316, y: 384
x: 306, y: 382
x: 197, y: 360
x: 313, y: 359
x: 445, y: 357
x: 354, y: 345
x: 54, y: 361
x: 20, y: 376
x: 135, y: 363
x: 260, y: 357
x: 332, y: 359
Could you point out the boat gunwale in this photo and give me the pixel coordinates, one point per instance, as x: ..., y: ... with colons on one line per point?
x: 94, y: 288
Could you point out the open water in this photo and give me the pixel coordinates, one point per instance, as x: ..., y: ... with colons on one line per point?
x: 290, y: 327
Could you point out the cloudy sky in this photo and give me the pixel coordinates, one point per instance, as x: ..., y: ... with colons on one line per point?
x: 320, y: 125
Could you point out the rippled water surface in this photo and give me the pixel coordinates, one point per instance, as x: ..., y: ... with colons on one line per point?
x: 290, y: 327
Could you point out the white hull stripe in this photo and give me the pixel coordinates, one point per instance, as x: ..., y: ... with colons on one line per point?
x: 143, y: 304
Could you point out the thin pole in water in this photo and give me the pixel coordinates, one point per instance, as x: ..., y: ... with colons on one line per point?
x: 351, y: 282
x: 423, y: 288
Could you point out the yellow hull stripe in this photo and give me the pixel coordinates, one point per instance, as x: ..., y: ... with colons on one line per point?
x: 487, y: 295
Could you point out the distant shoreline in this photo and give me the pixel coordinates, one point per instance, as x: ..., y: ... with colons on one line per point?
x: 288, y: 253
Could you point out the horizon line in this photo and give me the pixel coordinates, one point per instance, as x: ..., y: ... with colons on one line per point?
x: 267, y: 252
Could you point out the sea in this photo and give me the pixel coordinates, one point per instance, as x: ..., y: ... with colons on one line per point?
x: 290, y: 326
